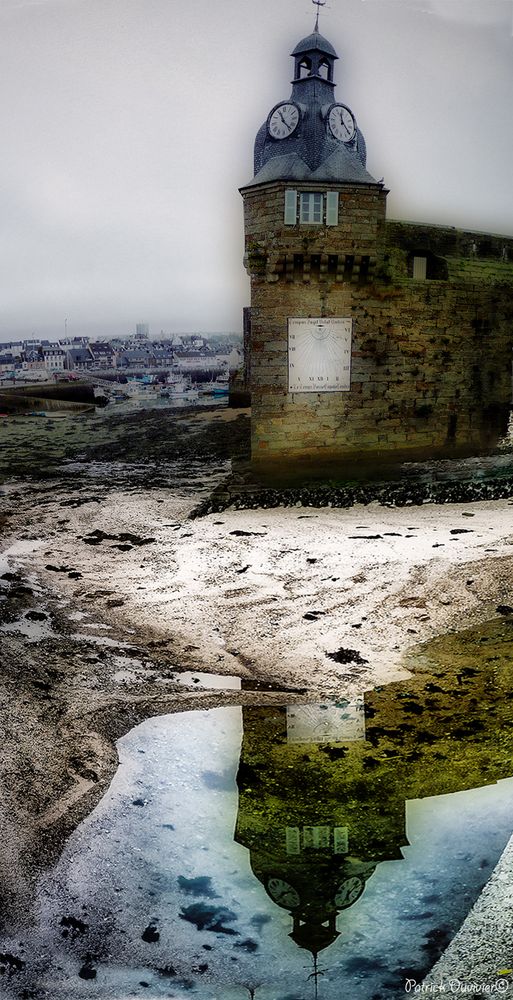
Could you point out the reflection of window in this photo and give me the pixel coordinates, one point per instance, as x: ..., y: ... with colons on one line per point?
x: 317, y: 837
x: 311, y: 205
x: 341, y: 840
x: 292, y: 840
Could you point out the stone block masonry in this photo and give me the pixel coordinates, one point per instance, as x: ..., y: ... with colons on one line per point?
x: 431, y: 357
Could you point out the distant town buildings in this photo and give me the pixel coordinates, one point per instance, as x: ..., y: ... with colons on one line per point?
x: 185, y: 352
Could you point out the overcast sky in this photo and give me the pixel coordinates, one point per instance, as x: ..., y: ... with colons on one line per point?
x: 128, y: 126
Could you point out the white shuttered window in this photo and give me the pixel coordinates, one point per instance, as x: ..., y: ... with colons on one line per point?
x: 315, y: 207
x: 311, y: 207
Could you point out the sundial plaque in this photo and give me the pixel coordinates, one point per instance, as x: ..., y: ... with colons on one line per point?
x: 320, y: 354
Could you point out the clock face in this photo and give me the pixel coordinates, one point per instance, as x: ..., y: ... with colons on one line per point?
x: 283, y: 120
x: 283, y: 893
x: 348, y: 892
x: 341, y: 122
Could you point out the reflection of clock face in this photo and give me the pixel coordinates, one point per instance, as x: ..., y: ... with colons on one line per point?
x: 283, y: 120
x: 283, y: 893
x: 341, y: 122
x: 348, y: 892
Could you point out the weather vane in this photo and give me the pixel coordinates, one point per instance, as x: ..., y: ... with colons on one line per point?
x: 318, y: 3
x: 316, y: 970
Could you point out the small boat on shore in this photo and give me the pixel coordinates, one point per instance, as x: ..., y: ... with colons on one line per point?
x: 182, y: 387
x: 221, y: 386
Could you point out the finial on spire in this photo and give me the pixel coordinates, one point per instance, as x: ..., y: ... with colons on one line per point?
x: 318, y: 3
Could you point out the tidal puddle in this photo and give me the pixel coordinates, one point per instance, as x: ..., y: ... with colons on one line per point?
x: 34, y: 625
x: 289, y: 853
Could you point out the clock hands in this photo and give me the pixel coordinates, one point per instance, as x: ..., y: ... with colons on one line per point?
x: 344, y: 123
x: 341, y: 123
x: 283, y: 120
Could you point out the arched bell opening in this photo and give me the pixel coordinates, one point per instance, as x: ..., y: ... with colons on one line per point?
x: 325, y: 70
x: 303, y: 68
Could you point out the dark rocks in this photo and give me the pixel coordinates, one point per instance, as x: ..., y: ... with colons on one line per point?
x: 200, y: 886
x: 87, y: 971
x: 167, y: 970
x: 504, y: 609
x: 73, y: 927
x: 10, y: 963
x: 247, y: 534
x: 247, y: 945
x: 98, y: 536
x: 209, y: 918
x: 347, y: 656
x: 400, y: 493
x: 151, y: 934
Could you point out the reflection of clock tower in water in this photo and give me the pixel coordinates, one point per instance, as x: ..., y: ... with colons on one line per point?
x: 312, y: 843
x: 314, y: 224
x: 323, y: 788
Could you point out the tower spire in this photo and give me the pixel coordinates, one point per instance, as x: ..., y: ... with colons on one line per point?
x: 318, y: 3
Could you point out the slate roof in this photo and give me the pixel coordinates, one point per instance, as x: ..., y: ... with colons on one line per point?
x: 135, y: 356
x: 99, y: 347
x: 79, y: 356
x: 313, y: 42
x: 341, y: 165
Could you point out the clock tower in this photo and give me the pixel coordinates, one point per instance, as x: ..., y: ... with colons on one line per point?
x: 314, y: 226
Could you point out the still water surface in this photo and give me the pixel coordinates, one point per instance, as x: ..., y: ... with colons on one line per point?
x: 290, y: 853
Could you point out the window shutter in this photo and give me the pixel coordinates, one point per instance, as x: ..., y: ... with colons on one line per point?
x: 332, y: 208
x: 290, y: 207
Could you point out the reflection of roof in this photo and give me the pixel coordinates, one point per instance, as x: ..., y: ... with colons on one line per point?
x: 314, y: 41
x: 314, y: 935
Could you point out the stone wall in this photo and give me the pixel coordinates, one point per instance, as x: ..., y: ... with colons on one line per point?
x: 431, y: 359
